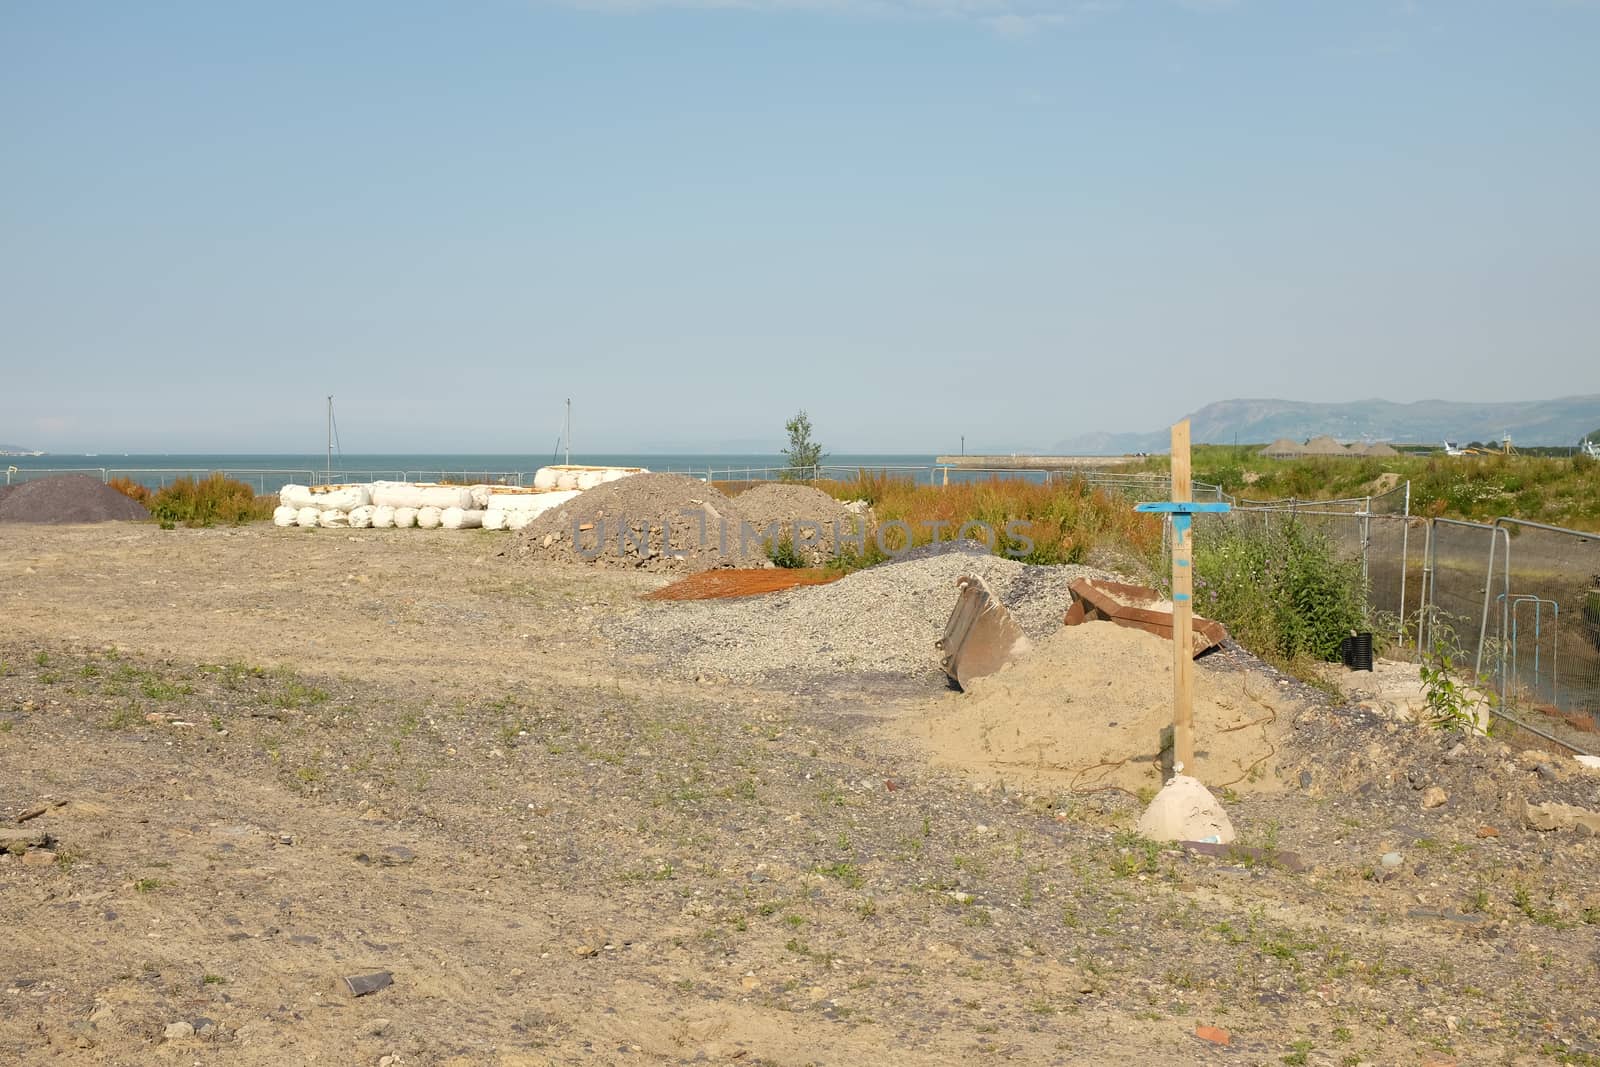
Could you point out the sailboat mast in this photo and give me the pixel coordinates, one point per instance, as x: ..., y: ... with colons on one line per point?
x: 329, y: 468
x: 569, y: 431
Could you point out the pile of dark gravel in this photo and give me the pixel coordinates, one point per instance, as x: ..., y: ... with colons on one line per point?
x: 67, y: 498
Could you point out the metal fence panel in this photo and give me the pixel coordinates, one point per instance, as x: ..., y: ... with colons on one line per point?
x: 1549, y: 623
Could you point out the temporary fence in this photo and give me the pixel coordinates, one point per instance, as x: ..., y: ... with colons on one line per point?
x: 1514, y: 603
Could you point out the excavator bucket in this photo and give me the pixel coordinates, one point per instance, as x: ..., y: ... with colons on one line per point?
x: 980, y: 636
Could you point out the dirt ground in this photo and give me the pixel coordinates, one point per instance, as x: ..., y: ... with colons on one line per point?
x: 270, y: 759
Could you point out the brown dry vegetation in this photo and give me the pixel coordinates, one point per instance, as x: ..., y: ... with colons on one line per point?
x: 1066, y: 520
x: 131, y: 489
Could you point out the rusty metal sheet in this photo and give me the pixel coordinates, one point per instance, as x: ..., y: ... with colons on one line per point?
x: 1137, y: 606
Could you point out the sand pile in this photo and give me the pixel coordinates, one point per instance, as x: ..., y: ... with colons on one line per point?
x: 882, y: 621
x: 1086, y: 709
x: 799, y: 511
x: 67, y: 498
x: 621, y: 523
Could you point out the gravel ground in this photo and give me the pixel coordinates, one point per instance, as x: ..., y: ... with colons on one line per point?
x: 430, y: 776
x: 880, y: 621
x: 67, y: 498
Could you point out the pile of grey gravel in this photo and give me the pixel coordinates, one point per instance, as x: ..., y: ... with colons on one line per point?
x: 800, y: 513
x: 702, y: 527
x: 67, y: 498
x: 880, y: 621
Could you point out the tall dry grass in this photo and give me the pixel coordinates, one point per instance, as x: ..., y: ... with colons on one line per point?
x: 209, y: 501
x: 1065, y: 521
x: 131, y: 489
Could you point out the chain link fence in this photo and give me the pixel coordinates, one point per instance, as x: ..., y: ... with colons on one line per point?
x: 1514, y: 603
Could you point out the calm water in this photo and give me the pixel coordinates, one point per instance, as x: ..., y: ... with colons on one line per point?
x: 268, y: 473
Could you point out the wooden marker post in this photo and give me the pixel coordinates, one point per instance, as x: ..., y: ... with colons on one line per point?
x: 1181, y: 508
x: 1182, y: 609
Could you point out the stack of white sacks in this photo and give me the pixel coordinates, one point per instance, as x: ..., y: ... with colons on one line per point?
x: 381, y: 505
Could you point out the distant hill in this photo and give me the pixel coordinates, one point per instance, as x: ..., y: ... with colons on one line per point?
x: 15, y: 450
x: 1529, y: 422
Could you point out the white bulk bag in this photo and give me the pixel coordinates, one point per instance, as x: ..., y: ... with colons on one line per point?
x: 506, y: 500
x: 546, y: 478
x: 333, y: 519
x: 283, y: 516
x: 517, y: 520
x: 480, y: 495
x: 568, y: 480
x: 307, y: 516
x: 446, y: 496
x: 459, y: 519
x: 405, y: 518
x: 361, y: 518
x: 494, y: 519
x: 296, y: 496
x: 396, y: 495
x: 428, y: 518
x: 341, y: 497
x: 590, y: 479
x: 382, y: 518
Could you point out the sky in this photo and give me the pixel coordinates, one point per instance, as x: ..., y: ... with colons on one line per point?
x: 1009, y: 220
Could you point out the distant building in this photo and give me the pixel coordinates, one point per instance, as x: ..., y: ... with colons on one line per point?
x: 1282, y: 448
x: 1324, y: 446
x: 1379, y: 450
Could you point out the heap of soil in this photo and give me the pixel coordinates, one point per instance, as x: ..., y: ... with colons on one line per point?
x: 1086, y: 709
x: 644, y: 504
x: 798, y: 511
x: 67, y: 498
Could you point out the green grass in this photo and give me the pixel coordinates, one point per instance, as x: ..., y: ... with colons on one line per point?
x: 208, y: 502
x: 1553, y: 489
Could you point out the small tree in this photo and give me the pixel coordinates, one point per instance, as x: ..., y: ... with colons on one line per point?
x: 804, y: 453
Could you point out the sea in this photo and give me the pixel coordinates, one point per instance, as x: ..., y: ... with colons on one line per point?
x: 268, y: 473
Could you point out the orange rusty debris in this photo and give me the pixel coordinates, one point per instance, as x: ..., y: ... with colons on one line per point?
x: 720, y: 584
x: 1214, y: 1034
x: 1138, y: 606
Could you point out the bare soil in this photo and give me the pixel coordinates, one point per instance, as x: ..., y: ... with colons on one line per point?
x: 268, y: 759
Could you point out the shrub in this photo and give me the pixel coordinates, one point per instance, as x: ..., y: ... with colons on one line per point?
x: 205, y: 503
x: 1282, y: 591
x: 784, y: 554
x: 1451, y: 704
x: 131, y: 489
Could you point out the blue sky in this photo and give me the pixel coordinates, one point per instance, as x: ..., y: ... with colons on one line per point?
x: 1016, y: 220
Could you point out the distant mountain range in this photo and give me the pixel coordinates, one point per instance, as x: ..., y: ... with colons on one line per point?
x: 17, y: 450
x: 1531, y: 422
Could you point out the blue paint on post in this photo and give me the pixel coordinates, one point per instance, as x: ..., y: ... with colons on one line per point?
x: 1182, y: 512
